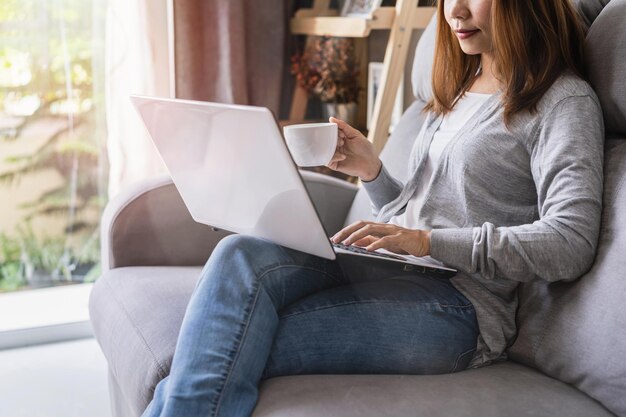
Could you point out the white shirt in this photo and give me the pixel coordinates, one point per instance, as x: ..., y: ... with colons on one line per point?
x: 463, y: 110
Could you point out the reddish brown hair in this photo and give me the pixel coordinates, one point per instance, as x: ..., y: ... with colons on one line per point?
x: 534, y: 42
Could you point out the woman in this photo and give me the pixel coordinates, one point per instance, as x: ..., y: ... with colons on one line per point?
x: 506, y: 186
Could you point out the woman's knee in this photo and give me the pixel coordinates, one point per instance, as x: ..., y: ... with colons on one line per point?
x: 237, y: 241
x: 242, y: 256
x: 245, y: 248
x: 233, y: 266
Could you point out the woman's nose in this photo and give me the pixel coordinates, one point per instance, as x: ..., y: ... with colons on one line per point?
x: 457, y: 9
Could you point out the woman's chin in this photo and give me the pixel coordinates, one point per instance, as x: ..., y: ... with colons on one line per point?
x: 469, y: 50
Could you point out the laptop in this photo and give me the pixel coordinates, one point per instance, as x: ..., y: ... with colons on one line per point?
x: 234, y: 171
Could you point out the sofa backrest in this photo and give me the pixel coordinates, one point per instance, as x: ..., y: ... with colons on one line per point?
x: 576, y: 332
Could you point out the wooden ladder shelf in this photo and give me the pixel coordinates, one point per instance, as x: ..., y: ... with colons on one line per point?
x: 401, y: 20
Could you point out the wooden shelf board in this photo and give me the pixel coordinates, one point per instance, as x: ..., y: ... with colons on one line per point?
x: 307, y: 23
x: 302, y: 13
x: 353, y: 27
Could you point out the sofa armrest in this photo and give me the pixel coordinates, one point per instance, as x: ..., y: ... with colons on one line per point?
x: 332, y: 198
x: 148, y: 224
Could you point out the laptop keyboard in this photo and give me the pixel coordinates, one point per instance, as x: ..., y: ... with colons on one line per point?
x: 358, y: 249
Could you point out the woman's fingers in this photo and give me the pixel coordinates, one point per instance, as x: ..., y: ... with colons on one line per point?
x: 337, y: 157
x: 340, y: 123
x: 362, y: 229
x: 404, y: 242
x: 343, y: 127
x: 367, y: 230
x: 366, y: 241
x: 347, y: 231
x: 384, y: 242
x: 391, y: 237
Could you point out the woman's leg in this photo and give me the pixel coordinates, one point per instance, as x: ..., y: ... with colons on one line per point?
x: 401, y: 325
x: 230, y: 324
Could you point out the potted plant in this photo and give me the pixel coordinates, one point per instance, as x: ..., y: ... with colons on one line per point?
x: 327, y: 69
x: 11, y: 268
x: 28, y: 261
x: 42, y: 260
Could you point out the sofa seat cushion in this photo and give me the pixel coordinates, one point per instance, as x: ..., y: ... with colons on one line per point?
x: 505, y: 389
x: 136, y: 314
x: 138, y: 339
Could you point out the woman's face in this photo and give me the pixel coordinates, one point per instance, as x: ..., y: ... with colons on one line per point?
x: 470, y: 21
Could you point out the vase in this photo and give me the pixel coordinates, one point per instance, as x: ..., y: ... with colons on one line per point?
x: 343, y: 111
x: 38, y: 278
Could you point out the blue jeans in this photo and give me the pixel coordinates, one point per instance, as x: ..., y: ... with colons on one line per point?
x: 261, y: 310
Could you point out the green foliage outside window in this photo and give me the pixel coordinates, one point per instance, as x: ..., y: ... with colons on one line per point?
x: 51, y: 94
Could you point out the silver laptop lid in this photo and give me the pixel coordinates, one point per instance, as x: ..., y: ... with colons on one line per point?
x: 234, y: 171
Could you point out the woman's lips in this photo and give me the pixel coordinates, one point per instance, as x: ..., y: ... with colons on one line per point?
x: 464, y: 34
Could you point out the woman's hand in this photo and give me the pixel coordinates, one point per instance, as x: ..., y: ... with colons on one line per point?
x: 355, y: 154
x: 393, y: 238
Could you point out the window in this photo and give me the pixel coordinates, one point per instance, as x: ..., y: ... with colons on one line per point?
x: 53, y: 168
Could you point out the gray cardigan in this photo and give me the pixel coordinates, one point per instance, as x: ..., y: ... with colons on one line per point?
x: 509, y: 206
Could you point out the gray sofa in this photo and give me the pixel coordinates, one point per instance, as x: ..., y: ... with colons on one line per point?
x: 568, y: 358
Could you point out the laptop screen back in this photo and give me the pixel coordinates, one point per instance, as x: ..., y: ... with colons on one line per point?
x: 233, y: 171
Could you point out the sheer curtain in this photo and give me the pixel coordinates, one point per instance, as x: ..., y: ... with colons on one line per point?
x: 228, y: 51
x: 137, y: 62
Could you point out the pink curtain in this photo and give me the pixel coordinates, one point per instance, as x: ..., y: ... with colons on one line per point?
x: 230, y: 51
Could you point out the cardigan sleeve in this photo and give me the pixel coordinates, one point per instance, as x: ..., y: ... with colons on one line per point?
x: 566, y: 161
x: 382, y: 190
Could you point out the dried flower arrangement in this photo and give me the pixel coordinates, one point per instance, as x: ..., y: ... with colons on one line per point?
x: 327, y: 69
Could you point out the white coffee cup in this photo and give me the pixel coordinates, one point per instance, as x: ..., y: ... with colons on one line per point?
x: 311, y: 144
